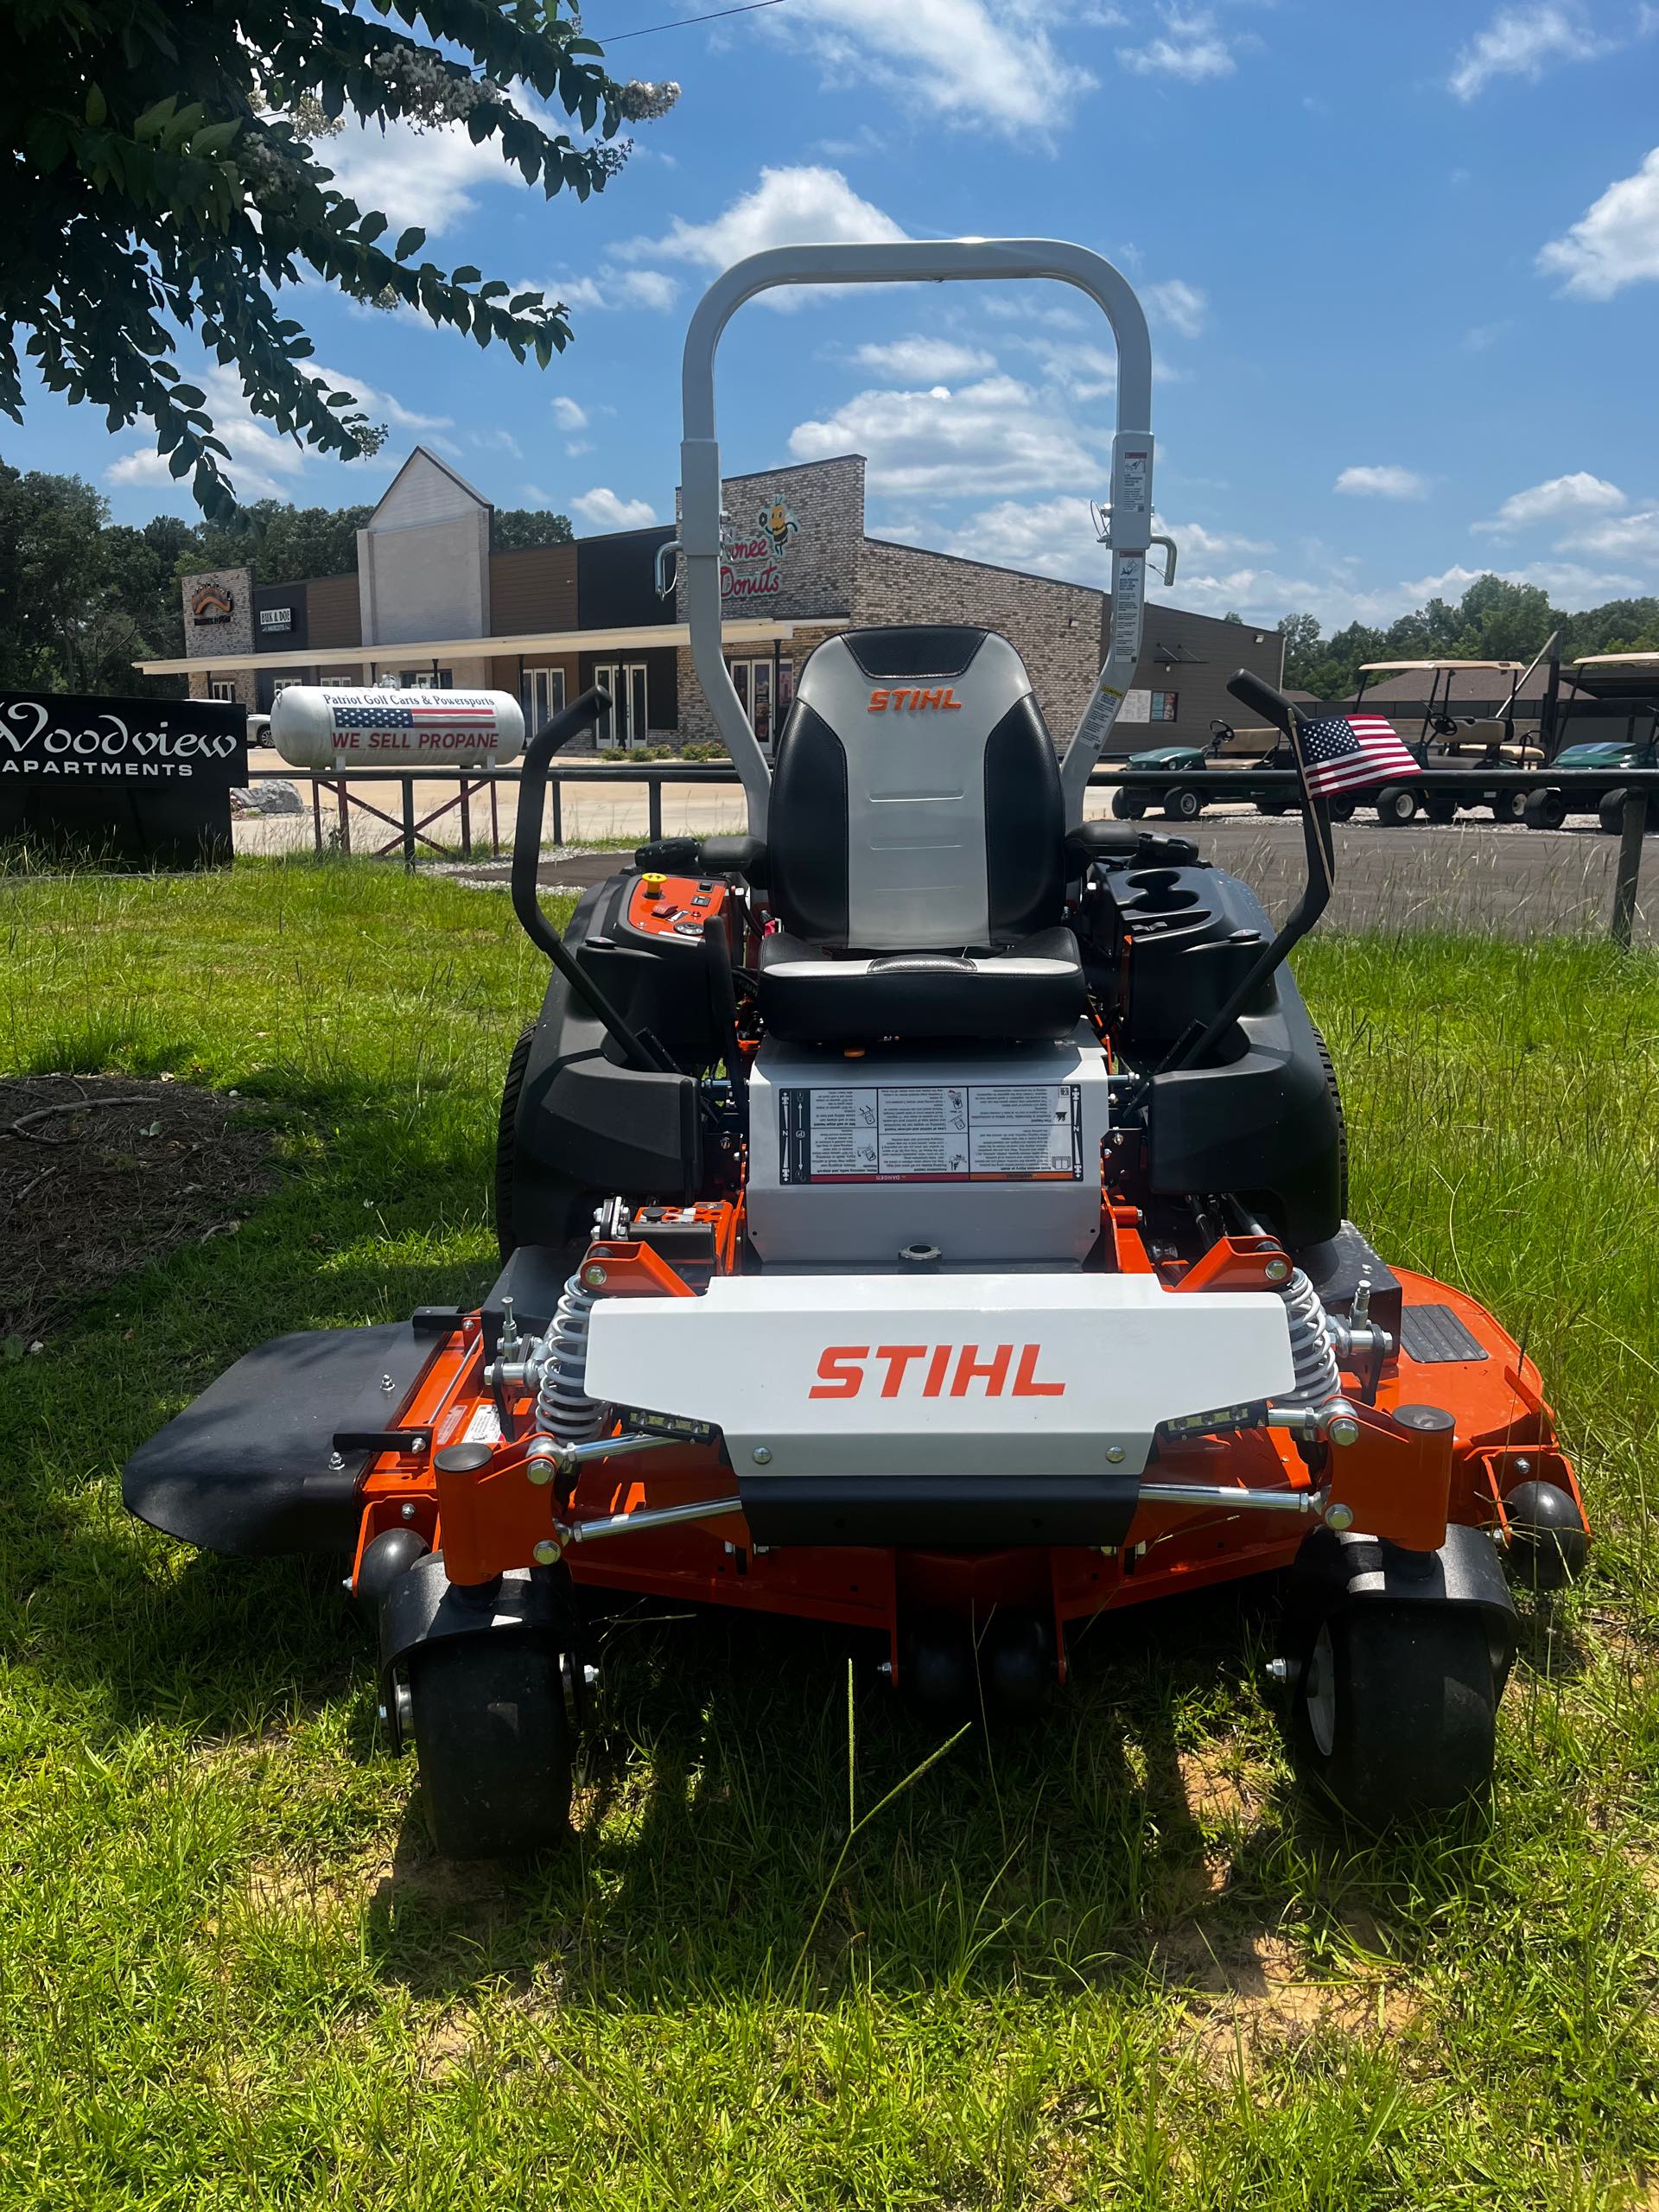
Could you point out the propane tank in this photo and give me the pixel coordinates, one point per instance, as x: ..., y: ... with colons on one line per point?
x: 325, y: 726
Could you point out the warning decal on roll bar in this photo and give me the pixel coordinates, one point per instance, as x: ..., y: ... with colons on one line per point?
x: 915, y: 1133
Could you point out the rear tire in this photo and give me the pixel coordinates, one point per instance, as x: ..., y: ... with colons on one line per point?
x: 1340, y: 810
x: 1333, y: 1086
x: 1545, y: 809
x: 1509, y: 806
x: 493, y: 1741
x: 1183, y: 804
x: 1611, y: 814
x: 1395, y: 1708
x: 1127, y: 806
x: 506, y: 1130
x: 1396, y: 805
x: 1441, y: 807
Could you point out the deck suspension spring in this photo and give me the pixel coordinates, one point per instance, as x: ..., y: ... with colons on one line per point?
x: 1318, y: 1380
x: 563, y: 1410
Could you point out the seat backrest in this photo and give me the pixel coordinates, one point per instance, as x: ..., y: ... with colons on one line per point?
x: 916, y: 798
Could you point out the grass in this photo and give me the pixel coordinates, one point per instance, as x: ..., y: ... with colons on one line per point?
x: 1118, y: 1961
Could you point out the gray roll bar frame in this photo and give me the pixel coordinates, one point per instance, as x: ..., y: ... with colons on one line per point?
x: 950, y: 261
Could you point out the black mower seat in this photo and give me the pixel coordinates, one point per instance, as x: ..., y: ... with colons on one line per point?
x: 809, y: 996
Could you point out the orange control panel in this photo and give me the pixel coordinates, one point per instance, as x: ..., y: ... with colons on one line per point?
x: 675, y: 906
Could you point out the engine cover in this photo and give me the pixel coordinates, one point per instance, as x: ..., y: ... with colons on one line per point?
x: 994, y: 1159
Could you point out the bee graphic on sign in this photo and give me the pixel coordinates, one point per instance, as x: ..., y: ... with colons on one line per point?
x: 779, y: 524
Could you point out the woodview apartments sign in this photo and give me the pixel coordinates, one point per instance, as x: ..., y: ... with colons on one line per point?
x: 137, y: 779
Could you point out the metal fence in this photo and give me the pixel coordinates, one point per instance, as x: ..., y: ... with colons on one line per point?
x: 411, y: 832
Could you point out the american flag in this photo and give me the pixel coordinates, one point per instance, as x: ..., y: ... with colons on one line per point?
x: 406, y: 717
x: 1346, y: 751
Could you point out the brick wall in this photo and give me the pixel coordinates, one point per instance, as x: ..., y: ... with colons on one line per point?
x: 1055, y: 627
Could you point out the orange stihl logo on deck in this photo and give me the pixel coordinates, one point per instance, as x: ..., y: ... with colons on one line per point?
x: 911, y: 701
x: 933, y: 1371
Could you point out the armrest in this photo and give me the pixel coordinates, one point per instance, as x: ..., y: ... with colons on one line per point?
x: 1125, y: 840
x: 744, y: 856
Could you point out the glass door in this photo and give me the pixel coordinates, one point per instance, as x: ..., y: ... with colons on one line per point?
x: 624, y: 728
x: 753, y: 682
x: 542, y: 694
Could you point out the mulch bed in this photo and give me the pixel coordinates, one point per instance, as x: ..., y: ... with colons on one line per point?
x: 101, y: 1174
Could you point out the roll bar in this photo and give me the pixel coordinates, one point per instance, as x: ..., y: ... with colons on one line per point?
x: 950, y: 261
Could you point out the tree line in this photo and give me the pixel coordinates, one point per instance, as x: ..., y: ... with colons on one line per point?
x: 82, y: 598
x: 1495, y: 620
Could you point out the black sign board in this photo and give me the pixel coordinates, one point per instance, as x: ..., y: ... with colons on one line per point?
x: 143, y: 780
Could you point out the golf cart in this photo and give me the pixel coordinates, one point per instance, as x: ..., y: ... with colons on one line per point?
x: 1446, y: 739
x: 1614, y: 687
x: 924, y: 1213
x: 1182, y: 799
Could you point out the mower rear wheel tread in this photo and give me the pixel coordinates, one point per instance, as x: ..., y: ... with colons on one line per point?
x: 492, y: 1742
x: 506, y: 1133
x: 1395, y: 1711
x: 1335, y: 1089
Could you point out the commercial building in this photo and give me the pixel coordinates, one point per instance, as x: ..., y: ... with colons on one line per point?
x: 432, y: 603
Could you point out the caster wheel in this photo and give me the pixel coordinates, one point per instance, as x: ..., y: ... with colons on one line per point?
x: 935, y: 1671
x: 1509, y: 806
x: 1394, y: 1713
x: 492, y: 1741
x: 1544, y: 810
x: 1548, y: 1542
x: 1016, y: 1665
x: 1183, y: 806
x: 1127, y: 806
x: 393, y: 1552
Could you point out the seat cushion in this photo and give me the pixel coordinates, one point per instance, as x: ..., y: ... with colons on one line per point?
x: 1034, y: 989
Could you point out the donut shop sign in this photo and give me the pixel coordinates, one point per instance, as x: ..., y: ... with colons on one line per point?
x: 752, y: 555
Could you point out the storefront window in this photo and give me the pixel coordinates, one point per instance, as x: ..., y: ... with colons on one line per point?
x: 427, y: 679
x: 221, y: 687
x: 1165, y: 706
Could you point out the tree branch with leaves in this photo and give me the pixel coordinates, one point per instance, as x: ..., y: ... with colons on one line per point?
x: 166, y: 171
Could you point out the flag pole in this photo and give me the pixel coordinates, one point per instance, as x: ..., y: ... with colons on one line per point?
x: 1316, y: 816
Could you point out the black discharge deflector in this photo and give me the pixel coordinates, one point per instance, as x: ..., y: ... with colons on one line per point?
x: 245, y: 1469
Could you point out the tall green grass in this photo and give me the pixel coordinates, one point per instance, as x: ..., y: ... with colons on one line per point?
x: 1115, y: 1960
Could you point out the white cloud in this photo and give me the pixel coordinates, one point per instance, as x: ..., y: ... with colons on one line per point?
x: 788, y: 207
x: 613, y: 287
x: 1383, y: 481
x: 424, y: 177
x: 924, y: 361
x: 263, y: 463
x: 1193, y: 49
x: 996, y: 435
x: 568, y: 415
x: 988, y: 63
x: 1618, y: 538
x: 1571, y: 585
x: 375, y: 403
x: 496, y: 441
x: 1524, y: 42
x: 1180, y: 305
x: 1056, y: 537
x: 1560, y: 499
x: 605, y: 511
x: 1082, y: 371
x: 1194, y: 543
x: 1616, y: 244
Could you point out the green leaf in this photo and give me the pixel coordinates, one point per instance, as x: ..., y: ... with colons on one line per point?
x: 188, y: 395
x: 411, y: 242
x: 98, y: 108
x: 155, y: 120
x: 465, y: 275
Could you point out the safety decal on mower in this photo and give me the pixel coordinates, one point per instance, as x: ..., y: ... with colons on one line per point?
x: 914, y: 1133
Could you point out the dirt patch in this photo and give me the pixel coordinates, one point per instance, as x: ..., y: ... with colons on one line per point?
x: 102, y: 1175
x: 1247, y: 1990
x: 1219, y: 1787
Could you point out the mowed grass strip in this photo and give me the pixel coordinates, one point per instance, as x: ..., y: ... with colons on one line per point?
x: 1115, y: 1960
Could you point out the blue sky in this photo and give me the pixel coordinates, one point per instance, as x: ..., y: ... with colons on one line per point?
x: 1401, y: 262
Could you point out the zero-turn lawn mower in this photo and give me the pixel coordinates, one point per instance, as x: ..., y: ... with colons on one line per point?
x: 924, y: 1213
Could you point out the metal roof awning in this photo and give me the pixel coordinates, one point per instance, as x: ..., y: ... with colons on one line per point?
x: 520, y: 644
x: 1401, y: 667
x: 1617, y: 660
